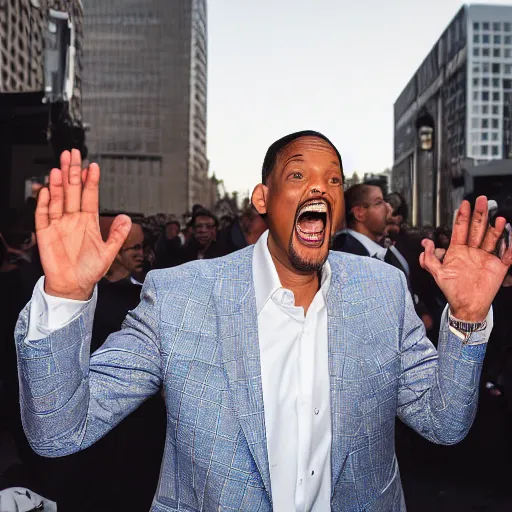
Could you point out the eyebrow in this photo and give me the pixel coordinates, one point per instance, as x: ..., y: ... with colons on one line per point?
x: 294, y: 157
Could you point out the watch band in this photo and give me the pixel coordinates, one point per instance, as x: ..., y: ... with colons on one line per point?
x: 466, y: 328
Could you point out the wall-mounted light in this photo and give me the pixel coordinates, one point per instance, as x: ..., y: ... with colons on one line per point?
x: 425, y: 129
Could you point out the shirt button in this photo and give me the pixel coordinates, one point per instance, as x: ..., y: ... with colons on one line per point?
x: 316, y: 412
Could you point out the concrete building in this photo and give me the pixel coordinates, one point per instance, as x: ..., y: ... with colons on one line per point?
x: 40, y: 90
x: 455, y: 112
x: 145, y: 102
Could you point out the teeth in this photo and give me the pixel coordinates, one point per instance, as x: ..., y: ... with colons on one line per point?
x: 314, y: 207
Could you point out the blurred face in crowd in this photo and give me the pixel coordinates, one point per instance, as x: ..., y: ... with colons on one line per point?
x: 303, y: 200
x: 374, y: 213
x: 172, y: 230
x: 131, y: 255
x: 204, y: 230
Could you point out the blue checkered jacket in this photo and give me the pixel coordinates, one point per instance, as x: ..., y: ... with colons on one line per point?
x: 195, y: 335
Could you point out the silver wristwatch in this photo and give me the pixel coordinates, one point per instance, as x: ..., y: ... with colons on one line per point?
x: 466, y: 328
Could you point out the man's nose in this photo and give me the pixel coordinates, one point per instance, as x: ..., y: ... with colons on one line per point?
x: 318, y: 189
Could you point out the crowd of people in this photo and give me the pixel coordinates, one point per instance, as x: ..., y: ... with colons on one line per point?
x: 100, y: 477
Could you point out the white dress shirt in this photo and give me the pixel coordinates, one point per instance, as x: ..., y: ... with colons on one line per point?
x: 295, y: 380
x: 296, y: 388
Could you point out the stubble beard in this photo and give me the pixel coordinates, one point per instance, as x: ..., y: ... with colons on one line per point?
x: 303, y: 265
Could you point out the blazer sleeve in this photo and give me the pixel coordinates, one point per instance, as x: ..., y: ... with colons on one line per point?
x: 438, y: 390
x: 70, y: 399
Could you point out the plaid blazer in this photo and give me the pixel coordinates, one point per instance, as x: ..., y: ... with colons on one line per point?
x: 195, y: 335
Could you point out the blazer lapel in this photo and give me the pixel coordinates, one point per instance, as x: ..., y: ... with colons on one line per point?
x: 240, y: 353
x: 345, y: 303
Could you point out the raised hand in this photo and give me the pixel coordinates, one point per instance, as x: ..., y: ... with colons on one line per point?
x: 73, y: 254
x: 470, y: 274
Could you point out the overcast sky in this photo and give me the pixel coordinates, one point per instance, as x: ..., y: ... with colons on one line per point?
x: 337, y: 66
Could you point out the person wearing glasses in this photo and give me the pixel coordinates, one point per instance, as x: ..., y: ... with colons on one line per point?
x: 203, y: 244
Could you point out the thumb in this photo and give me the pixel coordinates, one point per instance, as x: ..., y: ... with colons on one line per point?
x: 117, y: 235
x: 428, y: 258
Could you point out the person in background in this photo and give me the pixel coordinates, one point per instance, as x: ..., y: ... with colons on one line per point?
x: 168, y: 246
x: 203, y: 244
x: 243, y: 231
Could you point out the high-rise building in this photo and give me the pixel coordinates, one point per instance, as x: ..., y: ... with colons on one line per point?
x: 40, y: 90
x: 145, y: 102
x: 458, y: 102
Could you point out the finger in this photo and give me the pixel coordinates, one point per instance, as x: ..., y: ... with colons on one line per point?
x: 65, y: 161
x: 493, y: 235
x: 117, y: 235
x: 56, y: 207
x: 428, y: 258
x: 90, y: 195
x: 479, y: 223
x: 73, y: 193
x: 41, y: 215
x: 84, y: 176
x: 440, y: 254
x: 461, y: 225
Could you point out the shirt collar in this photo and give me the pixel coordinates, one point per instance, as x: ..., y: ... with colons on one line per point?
x: 372, y: 247
x: 266, y: 279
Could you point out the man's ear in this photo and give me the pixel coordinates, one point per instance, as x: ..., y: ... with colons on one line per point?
x: 359, y: 213
x: 259, y: 198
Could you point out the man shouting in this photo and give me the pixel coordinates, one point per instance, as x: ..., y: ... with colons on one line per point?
x: 283, y: 366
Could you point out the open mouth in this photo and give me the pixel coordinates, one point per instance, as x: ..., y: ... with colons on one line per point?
x: 311, y: 222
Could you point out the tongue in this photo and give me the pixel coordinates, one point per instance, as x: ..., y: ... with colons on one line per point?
x: 311, y: 225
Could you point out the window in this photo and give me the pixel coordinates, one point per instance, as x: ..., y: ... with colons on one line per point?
x: 486, y: 52
x: 476, y: 51
x: 496, y: 52
x: 496, y: 27
x: 495, y: 69
x: 508, y: 39
x: 495, y: 110
x: 494, y: 136
x: 507, y: 69
x: 486, y: 39
x: 476, y: 38
x: 508, y: 53
x: 497, y: 39
x: 507, y: 27
x: 485, y: 95
x: 474, y: 137
x: 474, y: 122
x: 476, y: 26
x: 475, y: 82
x: 476, y: 69
x: 475, y: 95
x: 476, y: 109
x: 485, y: 136
x: 495, y: 123
x: 486, y: 67
x: 484, y: 150
x: 485, y: 82
x: 485, y: 123
x: 496, y: 82
x: 486, y: 26
x: 507, y: 84
x: 474, y: 149
x: 496, y: 96
x: 485, y: 109
x: 495, y: 151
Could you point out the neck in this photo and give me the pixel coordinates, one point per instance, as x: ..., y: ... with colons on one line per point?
x: 116, y: 273
x: 303, y: 285
x: 361, y: 228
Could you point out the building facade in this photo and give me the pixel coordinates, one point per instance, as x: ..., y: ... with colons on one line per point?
x: 462, y: 93
x: 40, y: 90
x: 145, y: 102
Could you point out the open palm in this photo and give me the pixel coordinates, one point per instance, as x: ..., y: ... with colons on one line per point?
x: 470, y: 274
x: 73, y: 253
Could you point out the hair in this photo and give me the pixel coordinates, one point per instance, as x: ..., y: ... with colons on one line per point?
x: 175, y: 222
x: 203, y: 212
x: 399, y: 205
x: 275, y: 149
x: 355, y: 196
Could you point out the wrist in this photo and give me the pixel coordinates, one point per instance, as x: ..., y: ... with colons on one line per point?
x: 79, y: 295
x: 466, y: 315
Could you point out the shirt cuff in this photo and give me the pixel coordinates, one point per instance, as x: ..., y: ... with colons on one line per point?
x: 478, y: 337
x: 49, y: 313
